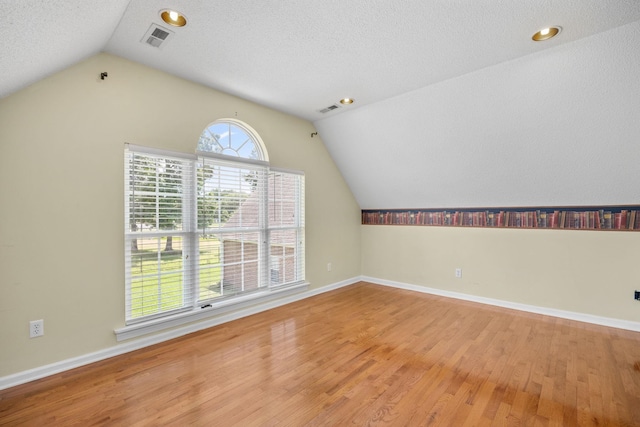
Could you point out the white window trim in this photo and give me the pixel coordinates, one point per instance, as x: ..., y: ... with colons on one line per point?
x: 215, y: 309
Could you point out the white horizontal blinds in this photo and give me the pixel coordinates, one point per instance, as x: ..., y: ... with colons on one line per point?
x: 286, y: 227
x: 158, y: 194
x: 206, y: 228
x: 231, y: 227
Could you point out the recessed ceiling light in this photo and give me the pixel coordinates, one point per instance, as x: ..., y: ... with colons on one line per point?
x: 173, y: 17
x: 546, y: 33
x: 346, y: 101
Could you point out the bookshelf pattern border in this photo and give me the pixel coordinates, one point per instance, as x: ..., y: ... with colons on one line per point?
x: 618, y: 218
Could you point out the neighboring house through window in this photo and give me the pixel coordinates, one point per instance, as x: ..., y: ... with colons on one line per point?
x: 210, y: 228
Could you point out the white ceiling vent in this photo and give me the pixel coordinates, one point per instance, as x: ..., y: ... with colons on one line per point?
x: 329, y: 108
x: 157, y: 36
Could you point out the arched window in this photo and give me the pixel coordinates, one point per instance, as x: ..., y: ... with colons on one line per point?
x: 232, y: 138
x: 209, y: 229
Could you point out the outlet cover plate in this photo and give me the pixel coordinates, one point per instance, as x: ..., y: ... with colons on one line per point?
x: 36, y: 328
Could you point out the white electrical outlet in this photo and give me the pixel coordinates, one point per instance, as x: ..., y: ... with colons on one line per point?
x: 458, y: 273
x: 36, y: 328
x: 328, y: 266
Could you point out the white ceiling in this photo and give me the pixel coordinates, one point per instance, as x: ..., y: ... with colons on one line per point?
x: 39, y: 38
x: 297, y: 56
x: 301, y: 56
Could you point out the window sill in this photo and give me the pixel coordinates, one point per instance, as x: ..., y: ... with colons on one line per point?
x: 259, y: 302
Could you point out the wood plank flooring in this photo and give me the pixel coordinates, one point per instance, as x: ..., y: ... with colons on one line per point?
x: 363, y: 355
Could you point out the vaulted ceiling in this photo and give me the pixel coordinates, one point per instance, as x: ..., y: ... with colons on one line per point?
x: 393, y: 57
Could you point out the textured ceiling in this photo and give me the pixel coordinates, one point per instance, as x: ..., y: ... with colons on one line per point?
x: 39, y: 38
x: 297, y: 56
x: 302, y: 56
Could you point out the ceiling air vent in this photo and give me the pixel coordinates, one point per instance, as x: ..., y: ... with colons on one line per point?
x: 329, y: 108
x: 157, y: 36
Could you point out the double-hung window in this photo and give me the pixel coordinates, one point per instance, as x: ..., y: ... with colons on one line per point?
x: 209, y: 229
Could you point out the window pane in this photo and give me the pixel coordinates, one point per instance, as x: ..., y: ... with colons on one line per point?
x: 155, y: 195
x: 286, y: 228
x: 283, y: 196
x: 157, y: 276
x: 240, y: 267
x: 229, y: 197
x: 229, y: 264
x: 283, y: 244
x: 210, y: 268
x: 230, y: 140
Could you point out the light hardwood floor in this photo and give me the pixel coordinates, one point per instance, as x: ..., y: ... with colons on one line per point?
x: 361, y: 355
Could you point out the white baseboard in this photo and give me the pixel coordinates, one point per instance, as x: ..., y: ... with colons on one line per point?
x: 580, y: 317
x: 136, y: 344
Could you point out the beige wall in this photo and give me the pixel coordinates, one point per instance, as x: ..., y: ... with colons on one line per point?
x: 61, y: 197
x: 61, y: 216
x: 589, y: 272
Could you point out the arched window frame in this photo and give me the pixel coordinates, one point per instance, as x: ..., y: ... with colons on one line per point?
x: 261, y: 149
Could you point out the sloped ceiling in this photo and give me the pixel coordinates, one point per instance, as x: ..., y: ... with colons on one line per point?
x: 423, y: 73
x: 555, y: 128
x: 39, y: 38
